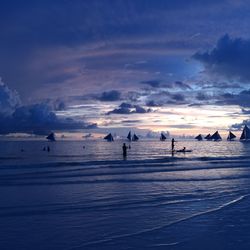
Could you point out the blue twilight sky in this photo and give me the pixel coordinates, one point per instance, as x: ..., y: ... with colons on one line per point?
x: 178, y: 66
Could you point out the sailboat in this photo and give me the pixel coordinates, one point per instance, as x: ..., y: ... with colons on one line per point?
x: 109, y: 137
x: 245, y: 136
x: 231, y: 136
x: 51, y: 137
x: 163, y: 137
x: 129, y: 137
x: 216, y: 136
x: 135, y: 138
x: 208, y: 137
x: 199, y: 137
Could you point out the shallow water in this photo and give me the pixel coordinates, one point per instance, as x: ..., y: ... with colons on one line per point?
x: 92, y: 198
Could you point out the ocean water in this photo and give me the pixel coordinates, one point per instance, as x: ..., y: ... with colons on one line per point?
x: 92, y: 198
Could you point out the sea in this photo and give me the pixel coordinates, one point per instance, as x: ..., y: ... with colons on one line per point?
x: 86, y: 195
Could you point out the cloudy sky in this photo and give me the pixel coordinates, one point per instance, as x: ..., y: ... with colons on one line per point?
x: 179, y: 66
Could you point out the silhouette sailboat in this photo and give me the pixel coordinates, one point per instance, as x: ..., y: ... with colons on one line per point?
x: 231, y: 136
x: 163, y: 137
x: 199, y: 137
x: 216, y: 136
x: 208, y: 137
x: 135, y: 138
x: 109, y: 137
x: 245, y: 136
x: 51, y: 137
x: 129, y: 137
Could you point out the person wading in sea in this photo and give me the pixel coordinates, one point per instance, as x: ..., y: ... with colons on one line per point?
x: 172, y: 144
x: 124, y: 150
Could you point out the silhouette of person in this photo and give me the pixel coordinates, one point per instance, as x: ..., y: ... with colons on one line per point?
x: 124, y: 150
x: 172, y: 144
x: 184, y: 149
x: 48, y: 148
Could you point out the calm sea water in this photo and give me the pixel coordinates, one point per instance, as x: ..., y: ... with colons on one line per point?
x: 91, y: 198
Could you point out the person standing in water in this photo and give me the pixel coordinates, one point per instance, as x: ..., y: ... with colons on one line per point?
x: 172, y: 144
x: 124, y: 150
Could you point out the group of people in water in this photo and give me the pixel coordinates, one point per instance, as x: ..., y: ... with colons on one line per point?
x: 173, y: 141
x: 125, y: 147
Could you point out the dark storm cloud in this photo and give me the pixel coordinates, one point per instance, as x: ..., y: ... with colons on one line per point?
x: 153, y: 103
x: 242, y: 99
x: 152, y: 83
x: 36, y: 118
x: 62, y: 48
x: 71, y: 22
x: 239, y: 126
x: 202, y: 97
x: 181, y: 85
x: 110, y: 96
x: 127, y: 109
x: 95, y: 31
x: 9, y: 99
x: 170, y: 85
x: 230, y: 58
x: 245, y: 112
x: 106, y: 96
x: 165, y: 98
x: 178, y: 97
x: 56, y: 105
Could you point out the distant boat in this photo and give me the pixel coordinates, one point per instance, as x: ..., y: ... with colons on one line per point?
x: 208, y: 137
x: 199, y: 137
x: 163, y: 137
x: 129, y: 137
x: 135, y: 138
x: 109, y: 137
x: 51, y: 137
x: 231, y: 136
x: 216, y: 136
x: 245, y: 136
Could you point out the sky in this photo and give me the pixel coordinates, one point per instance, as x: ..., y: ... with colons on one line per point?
x: 114, y: 65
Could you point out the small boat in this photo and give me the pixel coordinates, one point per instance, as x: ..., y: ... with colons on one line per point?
x: 199, y: 137
x: 135, y: 138
x: 129, y: 137
x: 216, y: 136
x: 163, y: 137
x: 245, y: 136
x: 109, y: 137
x: 51, y: 137
x: 208, y: 137
x: 231, y: 136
